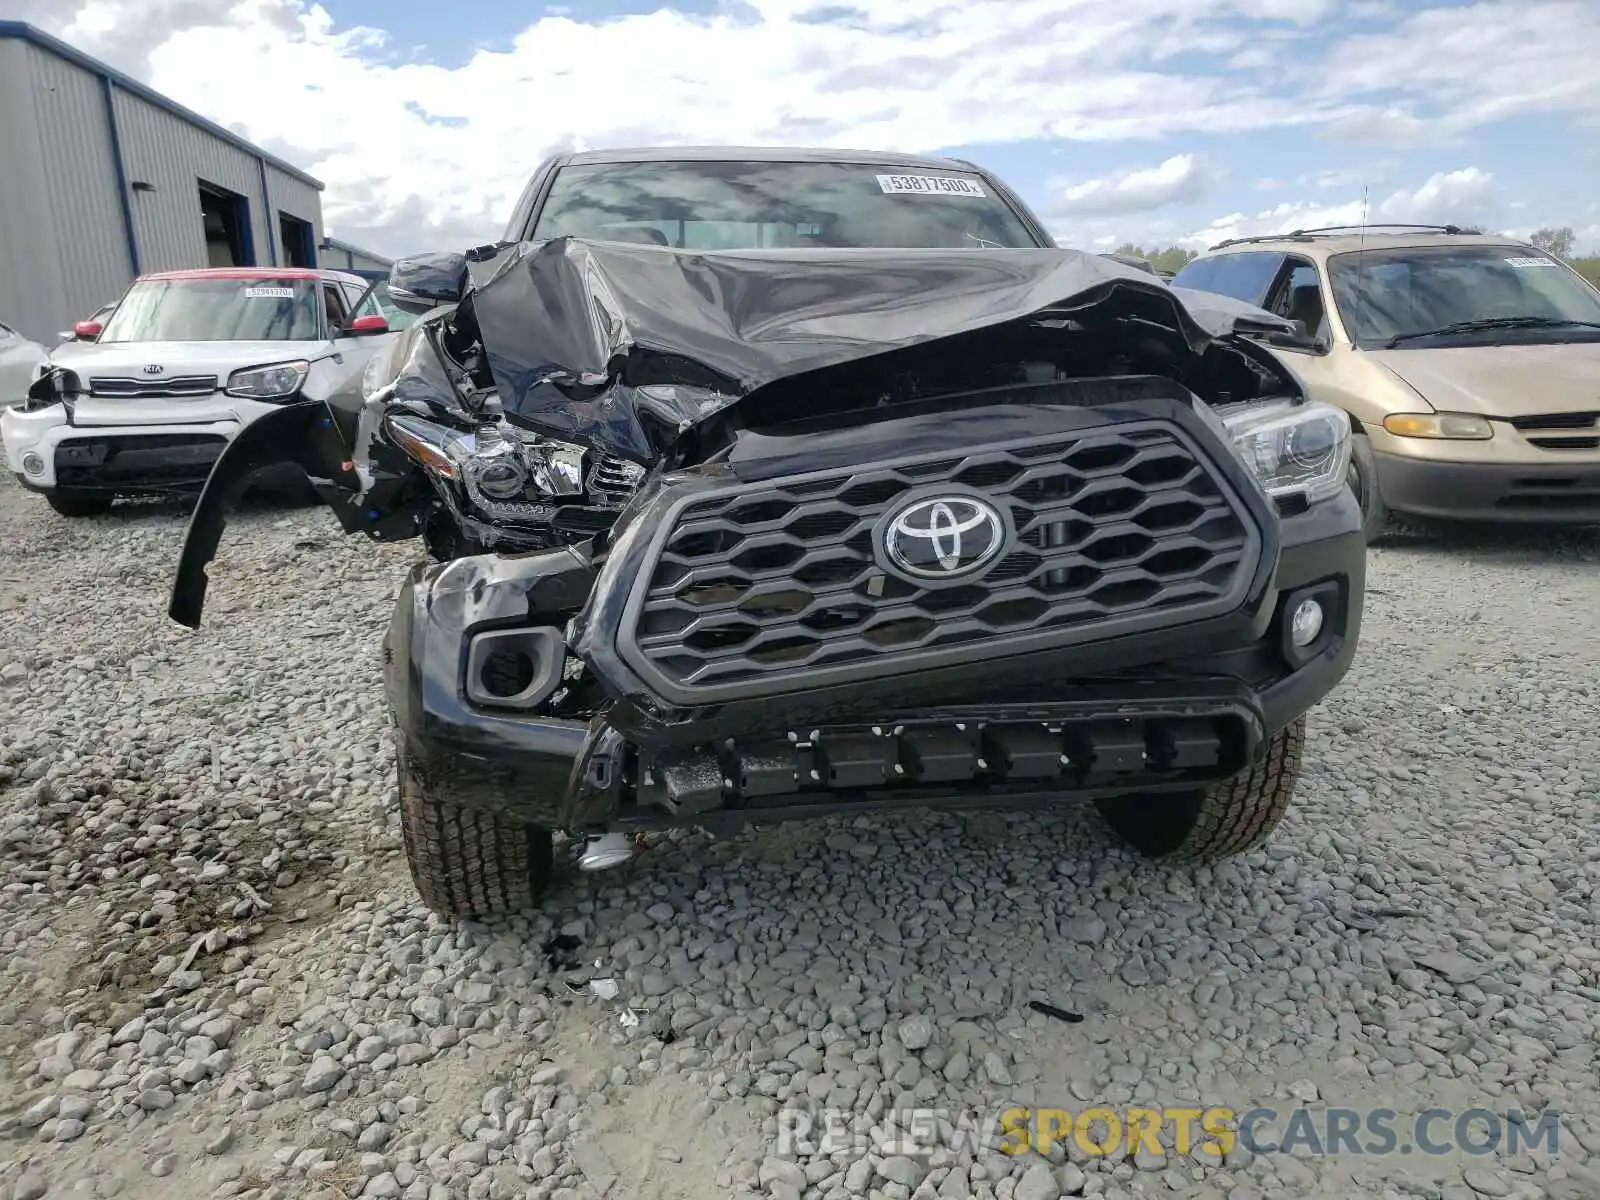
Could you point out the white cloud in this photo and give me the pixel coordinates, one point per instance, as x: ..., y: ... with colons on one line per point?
x: 1341, y: 177
x: 1463, y: 66
x: 909, y: 74
x: 1395, y: 125
x: 1469, y: 196
x: 1179, y: 179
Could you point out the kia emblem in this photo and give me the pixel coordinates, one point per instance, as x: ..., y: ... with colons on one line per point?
x: 154, y: 369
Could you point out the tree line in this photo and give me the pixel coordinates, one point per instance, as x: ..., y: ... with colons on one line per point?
x: 1168, y: 259
x: 1559, y: 242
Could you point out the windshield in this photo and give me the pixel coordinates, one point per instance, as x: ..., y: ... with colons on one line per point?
x: 254, y: 309
x: 1384, y: 294
x: 753, y: 205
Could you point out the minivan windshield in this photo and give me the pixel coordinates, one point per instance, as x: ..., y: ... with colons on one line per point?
x: 216, y: 309
x: 720, y: 205
x: 1433, y: 295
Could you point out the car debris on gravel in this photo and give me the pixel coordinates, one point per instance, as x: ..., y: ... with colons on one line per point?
x: 217, y: 981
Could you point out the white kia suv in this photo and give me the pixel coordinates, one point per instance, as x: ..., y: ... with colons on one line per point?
x: 186, y: 360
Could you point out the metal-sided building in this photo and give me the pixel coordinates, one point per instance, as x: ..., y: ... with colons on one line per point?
x: 102, y: 178
x: 342, y: 256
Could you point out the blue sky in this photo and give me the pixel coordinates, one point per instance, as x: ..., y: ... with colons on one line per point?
x: 1155, y: 121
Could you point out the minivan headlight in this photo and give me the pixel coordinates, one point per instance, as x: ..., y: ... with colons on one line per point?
x: 276, y: 382
x: 1454, y: 426
x: 1292, y: 449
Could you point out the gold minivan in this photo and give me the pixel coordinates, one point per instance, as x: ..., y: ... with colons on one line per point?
x: 1469, y: 364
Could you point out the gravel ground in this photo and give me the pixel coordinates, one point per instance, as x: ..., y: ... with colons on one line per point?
x: 217, y: 980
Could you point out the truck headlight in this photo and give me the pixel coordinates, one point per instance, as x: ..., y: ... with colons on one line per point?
x: 497, y: 464
x: 1292, y: 449
x: 276, y: 382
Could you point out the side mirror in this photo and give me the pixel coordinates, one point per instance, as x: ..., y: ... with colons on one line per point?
x: 87, y: 331
x: 1299, y: 340
x: 419, y: 284
x: 366, y: 326
x: 66, y: 335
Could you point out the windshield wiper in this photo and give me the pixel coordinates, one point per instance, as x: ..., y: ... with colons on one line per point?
x: 1492, y: 323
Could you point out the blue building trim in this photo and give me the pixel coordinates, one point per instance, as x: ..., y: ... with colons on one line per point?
x: 22, y: 31
x: 247, y: 234
x: 129, y: 230
x: 266, y: 203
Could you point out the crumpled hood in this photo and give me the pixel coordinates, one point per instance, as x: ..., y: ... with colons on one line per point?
x: 623, y: 346
x: 1502, y: 381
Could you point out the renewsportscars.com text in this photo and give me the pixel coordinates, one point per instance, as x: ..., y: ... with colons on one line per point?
x: 1213, y: 1132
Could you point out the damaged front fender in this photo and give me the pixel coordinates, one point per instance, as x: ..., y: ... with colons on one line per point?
x: 301, y: 434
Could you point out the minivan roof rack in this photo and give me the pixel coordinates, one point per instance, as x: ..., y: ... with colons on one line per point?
x: 1307, y: 235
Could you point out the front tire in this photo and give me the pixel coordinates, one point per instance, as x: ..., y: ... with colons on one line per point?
x: 470, y: 862
x: 1220, y: 821
x: 70, y: 502
x: 1364, y: 483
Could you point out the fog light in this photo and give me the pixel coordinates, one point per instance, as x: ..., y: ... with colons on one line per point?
x: 32, y: 464
x: 515, y: 668
x: 1306, y: 623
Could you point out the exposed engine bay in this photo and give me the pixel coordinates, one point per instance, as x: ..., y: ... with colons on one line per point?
x: 537, y: 405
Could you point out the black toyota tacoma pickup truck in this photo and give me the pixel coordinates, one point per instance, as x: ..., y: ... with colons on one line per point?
x: 762, y: 484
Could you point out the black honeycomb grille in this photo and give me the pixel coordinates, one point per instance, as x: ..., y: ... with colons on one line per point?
x: 778, y: 582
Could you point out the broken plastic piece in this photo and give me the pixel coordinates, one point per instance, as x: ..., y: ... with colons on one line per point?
x: 605, y: 850
x: 1050, y: 1010
x: 606, y: 989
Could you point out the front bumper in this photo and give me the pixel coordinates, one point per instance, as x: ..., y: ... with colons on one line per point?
x: 1142, y: 713
x: 1555, y: 493
x: 45, y: 451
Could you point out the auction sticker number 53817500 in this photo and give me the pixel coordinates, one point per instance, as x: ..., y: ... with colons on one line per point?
x: 929, y: 185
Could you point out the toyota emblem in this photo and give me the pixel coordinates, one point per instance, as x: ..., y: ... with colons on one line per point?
x: 154, y: 369
x: 944, y: 537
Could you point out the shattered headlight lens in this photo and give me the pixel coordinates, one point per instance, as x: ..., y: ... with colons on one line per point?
x: 1292, y: 449
x: 496, y: 464
x: 279, y: 381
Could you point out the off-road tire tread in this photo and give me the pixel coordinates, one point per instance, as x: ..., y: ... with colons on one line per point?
x: 1241, y: 813
x: 501, y: 677
x: 468, y: 862
x: 1224, y: 819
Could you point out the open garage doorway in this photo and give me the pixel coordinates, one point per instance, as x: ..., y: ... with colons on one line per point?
x: 298, y: 240
x: 226, y: 217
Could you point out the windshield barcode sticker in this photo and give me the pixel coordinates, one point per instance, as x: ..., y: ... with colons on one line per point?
x: 1532, y: 262
x: 269, y: 293
x: 929, y: 185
